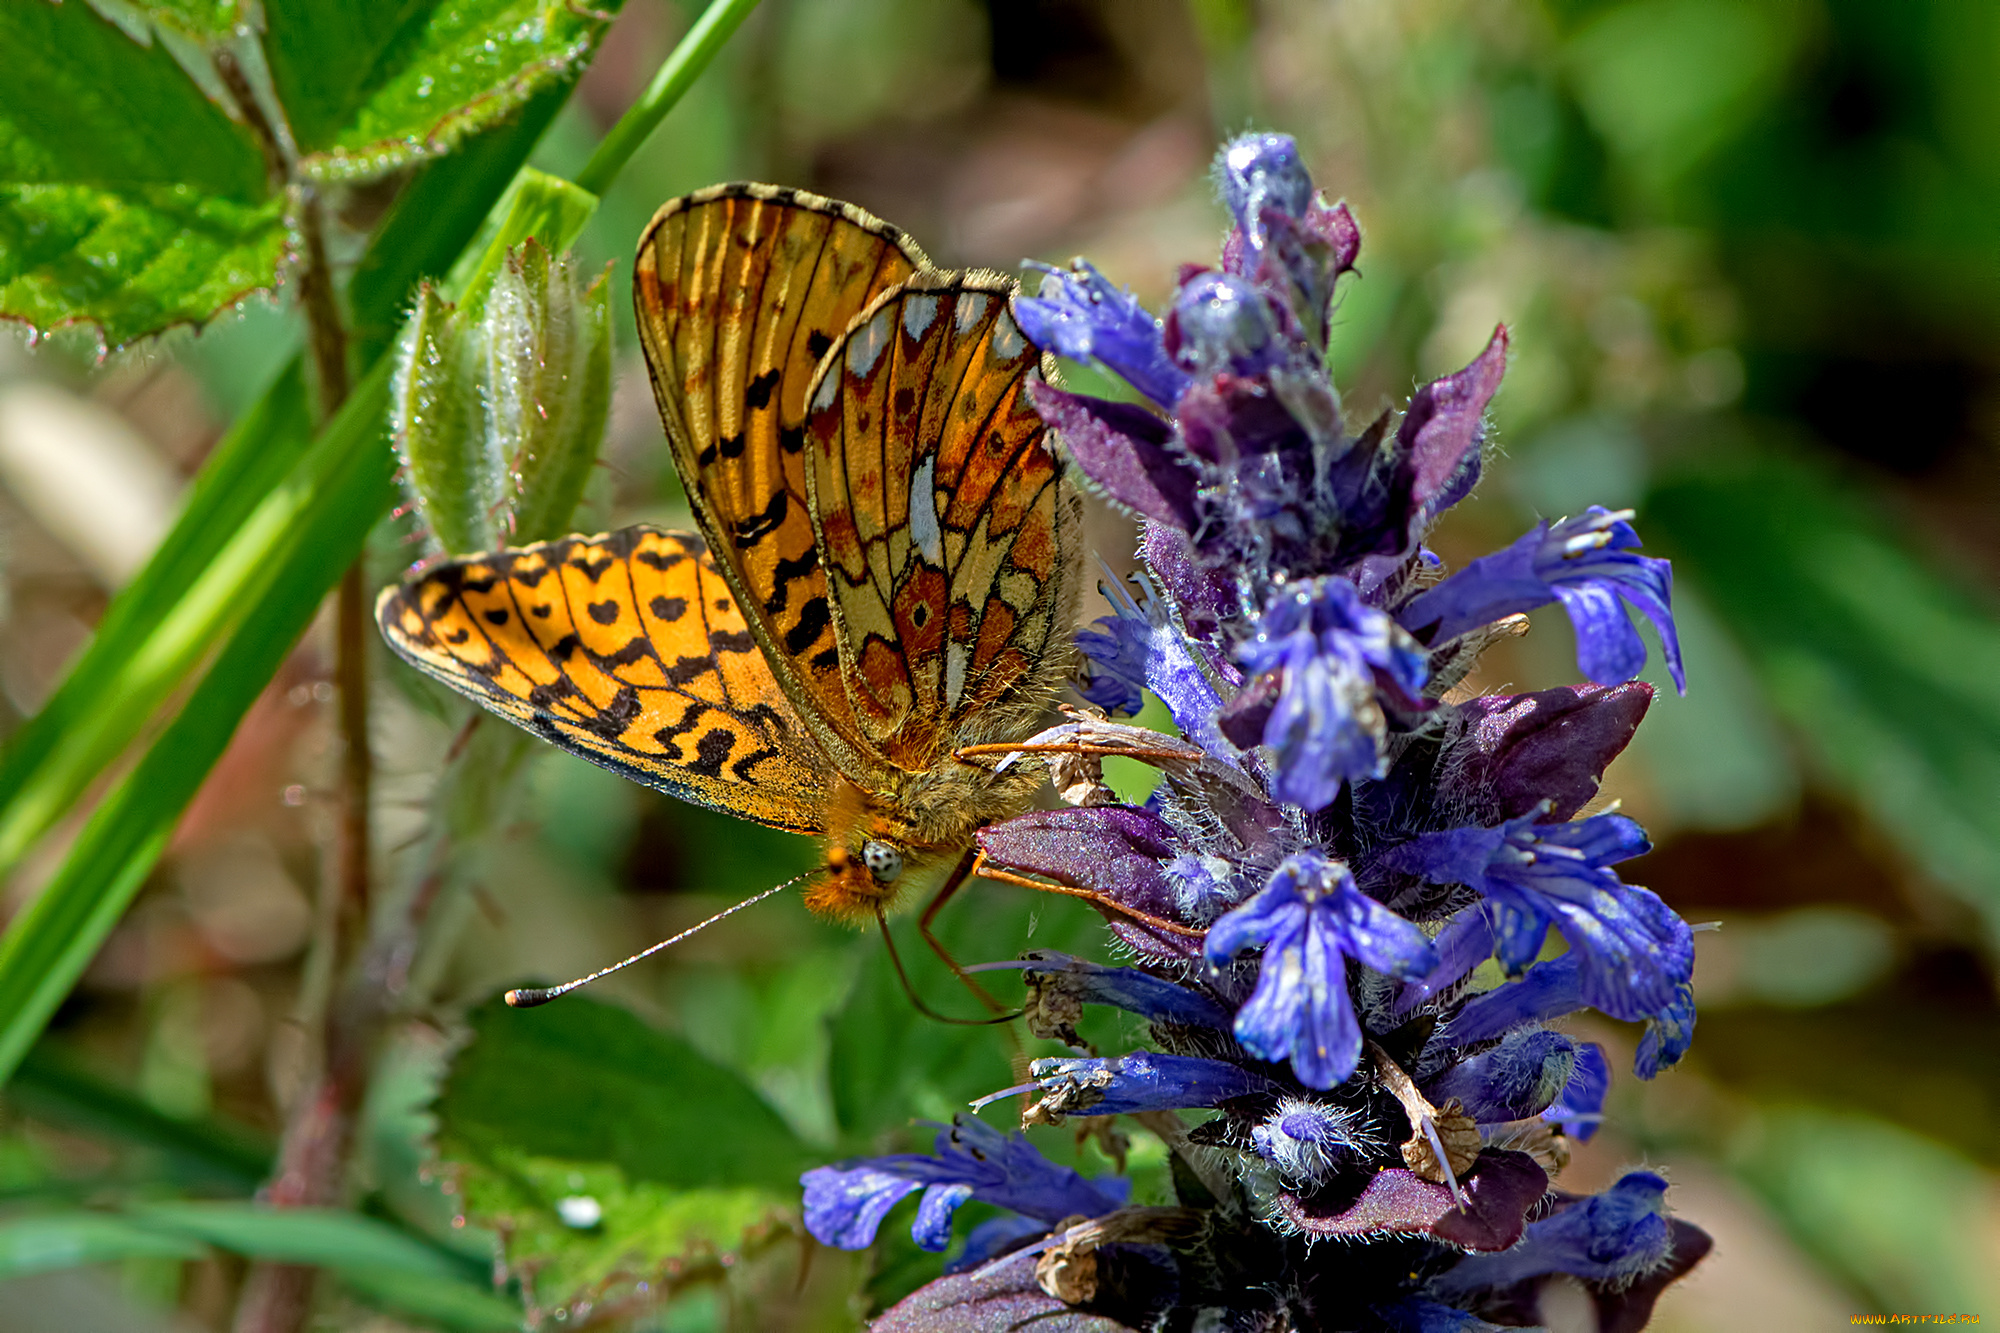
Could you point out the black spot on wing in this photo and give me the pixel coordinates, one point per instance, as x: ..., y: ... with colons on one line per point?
x: 751, y: 530
x: 604, y: 613
x: 593, y: 569
x: 818, y: 344
x: 732, y: 446
x: 544, y: 698
x: 739, y: 642
x: 497, y: 616
x: 672, y: 735
x: 457, y: 636
x: 660, y: 560
x: 611, y: 721
x: 669, y: 609
x: 825, y: 661
x: 782, y: 575
x: 711, y: 752
x: 758, y: 395
x: 530, y: 576
x: 814, y: 617
x: 690, y: 669
x: 741, y: 768
x: 636, y: 650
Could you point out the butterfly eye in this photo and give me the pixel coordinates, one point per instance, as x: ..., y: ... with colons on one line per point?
x: 883, y: 861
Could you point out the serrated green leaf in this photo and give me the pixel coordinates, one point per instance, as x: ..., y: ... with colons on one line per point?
x: 588, y: 1082
x: 40, y: 1243
x: 1879, y: 664
x: 371, y: 88
x: 127, y: 198
x: 84, y: 104
x: 645, y: 1238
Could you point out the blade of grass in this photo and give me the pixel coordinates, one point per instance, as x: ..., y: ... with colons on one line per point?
x: 676, y: 75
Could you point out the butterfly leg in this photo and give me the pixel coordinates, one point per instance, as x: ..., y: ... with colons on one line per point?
x: 966, y: 868
x: 984, y: 869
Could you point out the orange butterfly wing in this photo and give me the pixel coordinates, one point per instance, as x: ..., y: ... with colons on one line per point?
x: 950, y: 535
x: 740, y: 290
x: 627, y: 649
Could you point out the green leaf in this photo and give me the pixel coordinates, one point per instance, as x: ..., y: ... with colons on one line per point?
x: 642, y: 1239
x: 369, y: 89
x: 1879, y: 665
x: 38, y: 1243
x: 127, y: 198
x: 586, y: 1082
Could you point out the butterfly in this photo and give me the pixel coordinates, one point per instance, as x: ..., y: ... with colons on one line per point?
x: 887, y: 568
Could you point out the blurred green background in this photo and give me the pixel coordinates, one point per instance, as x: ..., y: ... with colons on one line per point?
x: 1750, y: 252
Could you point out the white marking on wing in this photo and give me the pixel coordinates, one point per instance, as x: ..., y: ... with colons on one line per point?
x: 956, y: 656
x: 971, y: 309
x: 919, y: 313
x: 924, y: 531
x: 1007, y: 339
x: 864, y: 346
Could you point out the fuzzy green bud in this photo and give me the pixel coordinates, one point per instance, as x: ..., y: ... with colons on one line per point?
x: 547, y: 340
x: 454, y: 471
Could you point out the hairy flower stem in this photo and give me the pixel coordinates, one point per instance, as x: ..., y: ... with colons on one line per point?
x: 312, y: 1156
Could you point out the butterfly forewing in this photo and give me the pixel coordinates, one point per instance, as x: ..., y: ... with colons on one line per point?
x: 628, y: 649
x: 944, y: 521
x: 740, y: 290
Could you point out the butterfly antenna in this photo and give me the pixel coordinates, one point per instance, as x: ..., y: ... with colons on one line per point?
x: 527, y: 997
x: 917, y: 1000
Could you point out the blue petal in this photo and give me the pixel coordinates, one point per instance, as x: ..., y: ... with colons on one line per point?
x: 932, y: 1229
x: 1378, y: 937
x: 1081, y: 315
x: 1608, y: 649
x: 1548, y: 990
x: 845, y: 1207
x: 1668, y: 1035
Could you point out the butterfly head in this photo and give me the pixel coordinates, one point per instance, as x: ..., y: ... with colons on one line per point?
x: 860, y: 878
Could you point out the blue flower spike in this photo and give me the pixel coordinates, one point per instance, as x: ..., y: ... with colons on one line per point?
x: 1339, y: 843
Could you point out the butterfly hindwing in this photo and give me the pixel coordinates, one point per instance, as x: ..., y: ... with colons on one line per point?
x: 945, y: 523
x: 740, y: 290
x: 628, y: 649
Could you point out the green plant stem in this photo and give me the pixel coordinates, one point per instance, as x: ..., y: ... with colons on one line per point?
x: 669, y: 85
